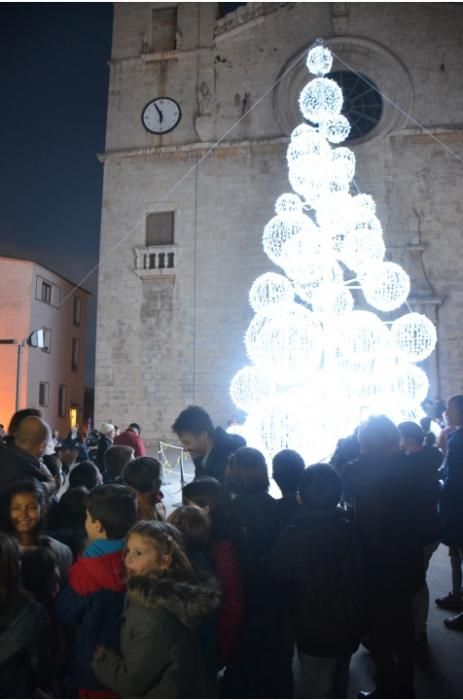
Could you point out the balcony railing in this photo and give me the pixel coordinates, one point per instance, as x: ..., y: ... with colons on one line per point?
x: 155, y: 260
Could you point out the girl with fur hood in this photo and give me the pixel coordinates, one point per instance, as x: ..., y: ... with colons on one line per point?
x: 160, y: 655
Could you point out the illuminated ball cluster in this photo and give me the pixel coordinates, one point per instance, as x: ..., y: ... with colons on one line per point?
x: 320, y: 362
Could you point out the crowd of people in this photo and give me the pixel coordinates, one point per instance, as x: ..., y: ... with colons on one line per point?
x: 103, y: 593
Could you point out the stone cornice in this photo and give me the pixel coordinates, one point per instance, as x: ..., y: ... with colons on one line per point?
x: 245, y: 17
x: 192, y: 150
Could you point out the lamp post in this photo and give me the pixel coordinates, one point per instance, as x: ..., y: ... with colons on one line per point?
x: 36, y: 339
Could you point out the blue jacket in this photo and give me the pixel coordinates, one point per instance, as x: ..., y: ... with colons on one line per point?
x: 93, y: 600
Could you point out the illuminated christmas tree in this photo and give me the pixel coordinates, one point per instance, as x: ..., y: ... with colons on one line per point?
x: 322, y: 358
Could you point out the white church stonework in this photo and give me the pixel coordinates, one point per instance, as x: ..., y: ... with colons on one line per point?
x: 181, y: 246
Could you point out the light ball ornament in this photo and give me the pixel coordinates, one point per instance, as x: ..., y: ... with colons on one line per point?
x: 362, y: 249
x: 336, y: 129
x: 411, y: 385
x: 321, y: 99
x: 269, y: 290
x: 386, y: 286
x: 319, y: 60
x: 318, y: 274
x: 289, y: 347
x: 343, y: 160
x: 333, y: 299
x: 299, y: 250
x: 249, y: 387
x: 280, y: 230
x: 289, y: 203
x: 414, y: 337
x: 358, y: 339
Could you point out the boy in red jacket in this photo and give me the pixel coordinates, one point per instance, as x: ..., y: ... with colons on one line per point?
x: 93, y: 597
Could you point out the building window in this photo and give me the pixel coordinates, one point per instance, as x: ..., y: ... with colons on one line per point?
x: 43, y: 394
x: 62, y: 401
x: 46, y: 292
x: 160, y: 228
x: 76, y: 314
x: 46, y: 340
x: 164, y: 29
x: 362, y: 106
x: 75, y: 354
x: 72, y: 416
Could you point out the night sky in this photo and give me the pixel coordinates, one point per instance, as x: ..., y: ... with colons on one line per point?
x: 54, y: 86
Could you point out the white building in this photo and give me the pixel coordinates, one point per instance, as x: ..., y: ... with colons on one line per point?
x: 182, y: 226
x: 51, y: 378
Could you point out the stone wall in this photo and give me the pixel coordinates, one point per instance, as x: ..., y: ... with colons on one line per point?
x: 165, y: 340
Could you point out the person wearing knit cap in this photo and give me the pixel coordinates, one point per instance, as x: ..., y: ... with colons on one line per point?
x: 105, y: 440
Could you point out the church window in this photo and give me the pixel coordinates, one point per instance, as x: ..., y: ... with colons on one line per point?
x: 363, y: 105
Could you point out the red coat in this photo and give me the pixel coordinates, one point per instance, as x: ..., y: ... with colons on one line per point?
x: 231, y: 613
x: 131, y: 439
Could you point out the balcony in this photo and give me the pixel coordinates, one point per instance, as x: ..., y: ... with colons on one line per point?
x: 155, y: 261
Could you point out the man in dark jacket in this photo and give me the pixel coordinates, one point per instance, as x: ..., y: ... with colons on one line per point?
x: 209, y: 448
x: 20, y: 459
x: 319, y: 560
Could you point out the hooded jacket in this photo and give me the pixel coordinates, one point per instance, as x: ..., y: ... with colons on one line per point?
x: 93, y: 600
x: 160, y: 654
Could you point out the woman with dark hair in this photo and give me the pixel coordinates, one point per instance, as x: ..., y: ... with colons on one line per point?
x: 255, y: 671
x: 143, y: 475
x: 25, y: 513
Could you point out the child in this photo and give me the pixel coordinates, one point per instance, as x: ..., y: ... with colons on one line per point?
x: 22, y: 629
x: 69, y: 520
x: 211, y: 496
x: 27, y: 506
x: 288, y: 467
x: 93, y: 598
x: 160, y: 655
x: 317, y: 559
x: 143, y: 475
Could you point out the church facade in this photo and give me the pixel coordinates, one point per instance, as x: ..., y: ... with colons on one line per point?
x: 200, y: 110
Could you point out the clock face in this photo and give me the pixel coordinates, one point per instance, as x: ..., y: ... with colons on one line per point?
x: 161, y: 115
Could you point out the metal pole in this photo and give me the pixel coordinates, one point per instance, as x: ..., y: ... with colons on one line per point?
x: 19, y: 374
x: 182, y: 478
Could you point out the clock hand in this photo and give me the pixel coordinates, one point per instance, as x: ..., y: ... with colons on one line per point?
x: 161, y: 117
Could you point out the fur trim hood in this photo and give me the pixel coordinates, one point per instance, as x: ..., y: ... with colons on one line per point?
x: 188, y: 600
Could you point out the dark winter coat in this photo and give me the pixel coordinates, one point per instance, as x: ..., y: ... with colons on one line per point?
x: 451, y: 501
x: 319, y: 561
x: 92, y: 600
x: 256, y: 516
x: 16, y: 464
x: 288, y: 508
x: 225, y: 444
x: 160, y: 654
x: 104, y: 443
x: 23, y: 643
x: 425, y: 464
x: 380, y: 490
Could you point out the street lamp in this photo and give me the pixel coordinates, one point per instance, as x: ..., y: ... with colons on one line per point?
x: 36, y: 339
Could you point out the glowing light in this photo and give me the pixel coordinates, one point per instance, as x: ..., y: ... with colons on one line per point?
x: 288, y: 346
x: 414, y: 337
x: 289, y: 204
x: 319, y: 60
x: 386, y: 286
x: 270, y: 289
x: 320, y: 100
x: 336, y: 129
x: 280, y: 230
x: 320, y: 364
x: 410, y: 384
x: 249, y: 387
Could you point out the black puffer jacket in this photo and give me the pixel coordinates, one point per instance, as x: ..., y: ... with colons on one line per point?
x: 16, y: 464
x: 224, y: 445
x: 160, y: 654
x: 319, y: 561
